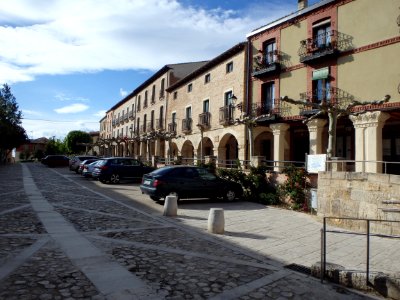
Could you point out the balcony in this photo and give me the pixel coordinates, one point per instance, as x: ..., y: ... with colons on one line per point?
x: 318, y: 99
x: 159, y: 124
x: 172, y: 127
x: 187, y: 125
x: 205, y: 120
x: 114, y: 122
x: 162, y: 94
x: 323, y: 46
x: 142, y: 129
x: 226, y: 115
x: 269, y: 109
x: 266, y: 65
x: 131, y: 116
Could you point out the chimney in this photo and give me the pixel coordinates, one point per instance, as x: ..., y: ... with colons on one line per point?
x: 302, y: 4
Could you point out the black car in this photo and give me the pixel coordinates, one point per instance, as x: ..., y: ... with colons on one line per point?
x: 55, y: 160
x: 188, y: 182
x: 114, y: 169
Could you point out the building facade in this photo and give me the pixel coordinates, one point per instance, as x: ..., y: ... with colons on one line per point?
x: 325, y: 70
x: 329, y: 56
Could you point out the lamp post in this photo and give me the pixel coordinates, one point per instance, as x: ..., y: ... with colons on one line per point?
x: 232, y: 104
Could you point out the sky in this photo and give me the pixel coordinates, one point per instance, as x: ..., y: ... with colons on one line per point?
x: 69, y: 61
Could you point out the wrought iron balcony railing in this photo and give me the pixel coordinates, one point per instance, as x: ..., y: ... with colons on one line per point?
x: 226, y: 115
x: 187, y: 125
x: 271, y: 107
x: 323, y: 45
x: 172, y: 127
x: 131, y: 115
x: 126, y: 117
x: 205, y: 120
x: 266, y: 64
x: 318, y: 99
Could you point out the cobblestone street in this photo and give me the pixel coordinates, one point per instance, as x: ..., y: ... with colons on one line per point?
x: 60, y: 240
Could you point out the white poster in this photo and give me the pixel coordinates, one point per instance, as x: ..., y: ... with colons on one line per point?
x: 316, y: 163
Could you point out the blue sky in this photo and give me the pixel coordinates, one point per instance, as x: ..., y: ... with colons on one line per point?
x: 68, y: 61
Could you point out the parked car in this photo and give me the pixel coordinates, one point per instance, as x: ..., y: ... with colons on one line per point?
x: 188, y: 182
x: 114, y: 169
x: 76, y: 160
x: 88, y: 169
x: 85, y: 162
x: 55, y: 160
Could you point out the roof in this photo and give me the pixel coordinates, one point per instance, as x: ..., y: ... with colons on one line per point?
x: 180, y: 70
x: 210, y: 64
x: 289, y: 17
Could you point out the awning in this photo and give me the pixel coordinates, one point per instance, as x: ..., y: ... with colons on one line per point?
x: 320, y: 73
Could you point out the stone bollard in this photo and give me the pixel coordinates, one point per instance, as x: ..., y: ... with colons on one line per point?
x: 170, y: 206
x: 216, y: 221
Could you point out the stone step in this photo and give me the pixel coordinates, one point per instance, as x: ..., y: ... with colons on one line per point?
x: 392, y: 210
x: 391, y: 202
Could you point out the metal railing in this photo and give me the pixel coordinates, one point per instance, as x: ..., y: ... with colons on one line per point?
x: 347, y: 165
x: 368, y: 234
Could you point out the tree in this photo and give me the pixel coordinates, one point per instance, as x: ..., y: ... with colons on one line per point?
x: 54, y: 146
x: 76, y: 139
x: 12, y: 134
x: 334, y: 108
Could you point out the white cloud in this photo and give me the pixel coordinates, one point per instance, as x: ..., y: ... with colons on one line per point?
x: 100, y: 113
x: 122, y: 92
x: 62, y: 97
x: 31, y: 113
x: 73, y: 108
x: 67, y: 36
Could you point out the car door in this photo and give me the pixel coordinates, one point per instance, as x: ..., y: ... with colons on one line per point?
x: 210, y: 185
x: 183, y: 181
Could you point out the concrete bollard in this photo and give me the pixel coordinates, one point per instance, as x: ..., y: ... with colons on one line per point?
x: 170, y: 206
x: 216, y: 221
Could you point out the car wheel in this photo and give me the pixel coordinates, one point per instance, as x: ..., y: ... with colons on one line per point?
x: 154, y: 198
x: 230, y: 195
x: 114, y: 178
x: 174, y: 194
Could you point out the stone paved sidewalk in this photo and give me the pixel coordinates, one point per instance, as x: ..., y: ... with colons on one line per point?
x: 59, y: 240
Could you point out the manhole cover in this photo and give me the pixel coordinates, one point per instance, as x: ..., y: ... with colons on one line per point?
x: 299, y: 268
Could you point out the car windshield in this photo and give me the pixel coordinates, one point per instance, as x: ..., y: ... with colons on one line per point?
x: 205, y: 174
x: 101, y: 162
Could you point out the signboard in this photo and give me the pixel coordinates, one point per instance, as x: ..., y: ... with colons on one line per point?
x: 316, y: 163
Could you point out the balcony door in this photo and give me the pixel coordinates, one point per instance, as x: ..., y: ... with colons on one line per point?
x: 268, y: 96
x: 322, y: 34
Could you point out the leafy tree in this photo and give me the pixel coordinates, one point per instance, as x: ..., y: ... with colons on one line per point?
x: 75, y: 140
x: 12, y: 134
x: 54, y: 146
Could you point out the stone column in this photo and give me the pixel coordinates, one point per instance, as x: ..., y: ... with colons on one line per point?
x: 315, y: 129
x: 368, y: 140
x: 157, y: 145
x: 257, y: 161
x: 279, y: 131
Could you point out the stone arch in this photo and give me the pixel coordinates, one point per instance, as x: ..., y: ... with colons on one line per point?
x: 208, y: 148
x: 228, y: 150
x: 187, y: 152
x: 264, y: 145
x: 173, y: 150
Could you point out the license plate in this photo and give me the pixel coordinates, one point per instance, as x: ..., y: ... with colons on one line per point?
x: 147, y: 182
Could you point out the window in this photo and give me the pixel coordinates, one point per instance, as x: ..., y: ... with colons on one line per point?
x: 228, y: 98
x: 321, y: 85
x: 268, y: 96
x: 145, y: 99
x: 152, y: 120
x: 269, y: 52
x: 188, y: 112
x: 206, y: 106
x: 175, y: 95
x: 322, y: 34
x: 229, y: 67
x: 153, y: 94
x: 207, y: 78
x: 190, y: 87
x: 144, y: 123
x: 162, y: 87
x: 138, y: 103
x: 161, y: 120
x: 138, y: 125
x: 173, y: 117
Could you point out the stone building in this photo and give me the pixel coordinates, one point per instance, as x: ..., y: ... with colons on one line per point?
x: 204, y: 107
x: 334, y: 52
x: 329, y: 54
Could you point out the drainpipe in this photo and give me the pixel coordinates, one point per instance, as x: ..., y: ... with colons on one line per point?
x: 248, y: 110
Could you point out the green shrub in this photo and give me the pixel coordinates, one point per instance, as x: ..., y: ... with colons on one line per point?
x: 256, y: 186
x: 295, y: 187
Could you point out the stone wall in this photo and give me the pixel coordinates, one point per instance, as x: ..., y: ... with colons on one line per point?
x: 360, y: 195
